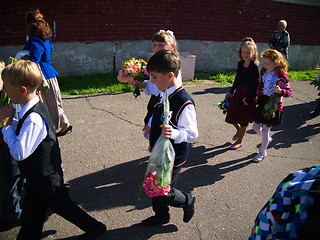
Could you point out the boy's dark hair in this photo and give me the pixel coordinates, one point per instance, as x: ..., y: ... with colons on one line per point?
x: 164, y: 61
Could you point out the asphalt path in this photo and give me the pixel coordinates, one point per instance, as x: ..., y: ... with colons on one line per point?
x: 105, y: 157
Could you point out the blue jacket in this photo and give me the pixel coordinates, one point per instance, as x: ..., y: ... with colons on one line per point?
x: 40, y: 52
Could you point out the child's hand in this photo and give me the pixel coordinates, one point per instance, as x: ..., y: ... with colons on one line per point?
x: 6, y: 114
x: 146, y: 131
x: 135, y: 83
x: 166, y: 131
x: 124, y: 77
x: 277, y: 89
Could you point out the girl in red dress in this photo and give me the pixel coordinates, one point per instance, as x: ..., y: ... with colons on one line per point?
x: 243, y: 91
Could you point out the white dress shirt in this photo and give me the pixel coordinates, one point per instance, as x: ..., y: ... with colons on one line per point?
x: 187, y: 128
x: 32, y: 133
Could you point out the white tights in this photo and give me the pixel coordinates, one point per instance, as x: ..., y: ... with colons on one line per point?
x: 263, y: 131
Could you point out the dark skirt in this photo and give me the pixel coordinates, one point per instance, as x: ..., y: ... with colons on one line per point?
x: 238, y: 112
x: 260, y: 118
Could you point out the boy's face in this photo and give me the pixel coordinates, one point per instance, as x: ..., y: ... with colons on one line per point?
x: 13, y: 92
x: 162, y: 80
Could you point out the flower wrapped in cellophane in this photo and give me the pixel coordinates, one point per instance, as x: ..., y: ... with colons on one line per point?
x: 136, y: 68
x: 269, y: 109
x: 159, y: 170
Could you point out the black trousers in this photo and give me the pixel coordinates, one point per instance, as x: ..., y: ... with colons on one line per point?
x: 45, y: 192
x: 175, y: 198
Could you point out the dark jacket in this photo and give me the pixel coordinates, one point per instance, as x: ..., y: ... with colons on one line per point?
x: 249, y: 78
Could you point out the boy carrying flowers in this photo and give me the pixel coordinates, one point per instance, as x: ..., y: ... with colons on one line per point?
x: 164, y: 67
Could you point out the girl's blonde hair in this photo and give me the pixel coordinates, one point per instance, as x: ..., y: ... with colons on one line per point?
x: 22, y: 73
x: 277, y: 58
x: 166, y: 37
x: 248, y: 41
x: 37, y: 25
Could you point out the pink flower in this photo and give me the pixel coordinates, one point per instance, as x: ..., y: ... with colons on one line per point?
x: 144, y: 69
x: 152, y: 186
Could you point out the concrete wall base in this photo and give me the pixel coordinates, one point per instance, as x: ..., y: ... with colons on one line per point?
x: 80, y: 58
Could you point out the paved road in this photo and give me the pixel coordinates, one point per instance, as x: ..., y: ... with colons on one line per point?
x: 104, y: 159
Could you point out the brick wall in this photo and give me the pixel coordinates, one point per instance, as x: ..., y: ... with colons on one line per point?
x: 207, y: 20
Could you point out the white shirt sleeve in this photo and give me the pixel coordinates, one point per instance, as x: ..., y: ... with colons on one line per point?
x: 187, y: 128
x: 151, y: 88
x: 32, y: 133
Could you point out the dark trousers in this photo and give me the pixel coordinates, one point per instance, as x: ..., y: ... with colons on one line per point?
x: 45, y: 192
x: 175, y: 198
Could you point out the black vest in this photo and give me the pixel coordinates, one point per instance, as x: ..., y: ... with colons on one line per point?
x: 178, y: 100
x: 46, y: 159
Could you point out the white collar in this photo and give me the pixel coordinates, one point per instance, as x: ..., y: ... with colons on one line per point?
x: 28, y: 105
x: 170, y: 91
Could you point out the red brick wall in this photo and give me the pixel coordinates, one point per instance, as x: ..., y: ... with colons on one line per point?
x: 208, y: 20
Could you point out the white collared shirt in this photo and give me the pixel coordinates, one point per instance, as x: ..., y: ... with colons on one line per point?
x: 32, y: 133
x: 187, y: 128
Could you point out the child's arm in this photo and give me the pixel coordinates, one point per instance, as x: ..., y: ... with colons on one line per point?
x: 283, y: 87
x: 32, y: 133
x: 187, y: 129
x: 6, y: 114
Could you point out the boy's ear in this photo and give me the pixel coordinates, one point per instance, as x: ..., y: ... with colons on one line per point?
x: 23, y: 90
x: 171, y: 76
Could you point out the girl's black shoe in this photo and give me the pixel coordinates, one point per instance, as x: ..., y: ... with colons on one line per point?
x: 60, y: 134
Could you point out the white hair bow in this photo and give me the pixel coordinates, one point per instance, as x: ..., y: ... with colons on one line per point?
x: 168, y: 32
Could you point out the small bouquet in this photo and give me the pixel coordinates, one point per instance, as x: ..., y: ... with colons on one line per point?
x: 316, y: 83
x: 270, y: 107
x: 136, y: 68
x: 225, y: 104
x: 159, y: 170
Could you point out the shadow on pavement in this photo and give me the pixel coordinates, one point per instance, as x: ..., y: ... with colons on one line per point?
x: 291, y: 130
x: 215, y: 90
x: 136, y: 231
x: 119, y: 185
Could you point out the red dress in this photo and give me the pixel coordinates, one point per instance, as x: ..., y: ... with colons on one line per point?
x: 245, y: 86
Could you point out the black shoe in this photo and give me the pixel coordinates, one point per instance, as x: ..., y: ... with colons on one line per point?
x: 93, y: 235
x: 188, y: 209
x: 154, y: 220
x: 314, y: 114
x: 60, y: 134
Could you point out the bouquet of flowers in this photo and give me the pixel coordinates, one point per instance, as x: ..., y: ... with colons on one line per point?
x: 270, y: 107
x: 159, y: 170
x: 225, y: 104
x: 136, y: 68
x: 316, y: 83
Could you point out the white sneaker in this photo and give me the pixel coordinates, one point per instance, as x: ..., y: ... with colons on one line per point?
x: 258, y: 158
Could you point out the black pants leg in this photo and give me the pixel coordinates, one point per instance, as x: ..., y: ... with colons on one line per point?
x: 62, y: 205
x: 45, y: 192
x: 33, y: 215
x: 176, y: 198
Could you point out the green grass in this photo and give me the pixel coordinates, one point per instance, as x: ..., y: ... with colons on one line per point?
x: 92, y: 84
x: 107, y: 83
x: 304, y: 75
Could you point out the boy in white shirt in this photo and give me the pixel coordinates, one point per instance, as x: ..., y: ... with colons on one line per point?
x: 33, y: 144
x: 164, y: 67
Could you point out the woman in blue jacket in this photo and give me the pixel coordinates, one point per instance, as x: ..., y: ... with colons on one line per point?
x: 40, y: 46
